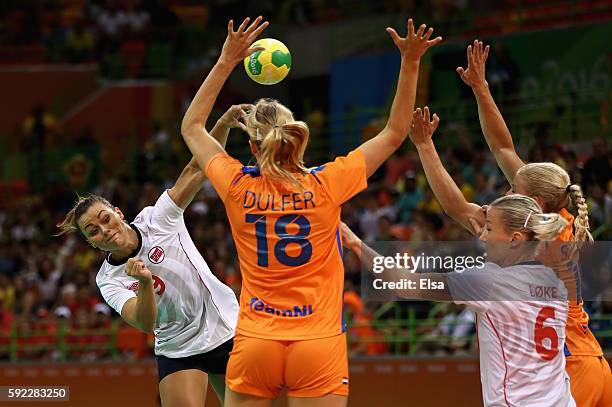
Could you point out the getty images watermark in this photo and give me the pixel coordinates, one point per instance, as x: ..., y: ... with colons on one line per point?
x: 498, y: 272
x: 404, y: 262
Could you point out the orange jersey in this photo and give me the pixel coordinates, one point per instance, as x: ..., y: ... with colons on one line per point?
x: 289, y: 245
x: 579, y: 340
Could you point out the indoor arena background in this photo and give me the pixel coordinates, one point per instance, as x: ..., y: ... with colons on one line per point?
x: 92, y: 96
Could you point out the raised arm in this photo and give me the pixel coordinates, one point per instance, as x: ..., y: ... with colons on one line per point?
x: 412, y: 48
x: 492, y: 123
x: 368, y: 256
x: 449, y: 195
x: 192, y: 177
x: 235, y: 49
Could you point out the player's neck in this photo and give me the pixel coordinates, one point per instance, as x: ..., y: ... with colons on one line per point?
x: 130, y: 246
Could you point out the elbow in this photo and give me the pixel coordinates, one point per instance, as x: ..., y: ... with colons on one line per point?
x: 187, y: 130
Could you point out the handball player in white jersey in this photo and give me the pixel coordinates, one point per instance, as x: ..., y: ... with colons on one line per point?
x: 520, y: 304
x: 158, y: 281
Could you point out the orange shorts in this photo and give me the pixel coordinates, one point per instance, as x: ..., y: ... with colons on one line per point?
x: 590, y: 380
x: 306, y: 368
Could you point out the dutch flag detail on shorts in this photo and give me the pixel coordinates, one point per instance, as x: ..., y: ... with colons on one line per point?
x: 345, y: 380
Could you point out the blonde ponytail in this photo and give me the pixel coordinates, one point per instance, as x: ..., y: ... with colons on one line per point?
x: 281, y: 140
x: 552, y: 183
x: 547, y: 181
x: 520, y: 213
x: 581, y: 222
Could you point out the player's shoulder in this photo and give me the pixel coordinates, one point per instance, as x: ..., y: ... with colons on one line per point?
x: 106, y: 271
x: 143, y: 219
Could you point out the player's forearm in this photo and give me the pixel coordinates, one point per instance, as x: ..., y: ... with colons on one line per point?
x: 220, y: 133
x: 442, y: 184
x: 491, y: 120
x: 496, y: 131
x: 400, y: 117
x: 146, y: 308
x: 187, y: 185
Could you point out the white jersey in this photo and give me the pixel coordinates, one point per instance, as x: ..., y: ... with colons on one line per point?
x: 195, y: 311
x: 521, y: 313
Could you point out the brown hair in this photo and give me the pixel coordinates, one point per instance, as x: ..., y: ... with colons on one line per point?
x: 82, y: 204
x: 282, y: 141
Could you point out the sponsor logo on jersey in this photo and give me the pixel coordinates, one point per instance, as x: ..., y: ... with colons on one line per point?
x: 258, y: 305
x: 156, y: 255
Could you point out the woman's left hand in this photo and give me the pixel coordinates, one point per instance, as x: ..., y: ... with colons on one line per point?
x: 235, y: 116
x: 237, y: 45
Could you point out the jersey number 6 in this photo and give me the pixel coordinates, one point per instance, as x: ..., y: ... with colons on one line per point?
x: 280, y: 249
x: 541, y: 332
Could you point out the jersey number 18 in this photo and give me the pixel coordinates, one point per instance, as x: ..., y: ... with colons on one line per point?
x: 280, y: 248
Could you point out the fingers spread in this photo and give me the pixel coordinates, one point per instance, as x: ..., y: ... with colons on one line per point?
x: 435, y: 122
x: 243, y: 25
x: 486, y: 54
x: 410, y: 27
x: 435, y: 41
x: 254, y: 49
x: 258, y: 31
x: 253, y: 25
x: 394, y: 36
x: 421, y: 30
x: 470, y: 56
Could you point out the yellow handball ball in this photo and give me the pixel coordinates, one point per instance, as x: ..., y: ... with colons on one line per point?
x: 268, y: 66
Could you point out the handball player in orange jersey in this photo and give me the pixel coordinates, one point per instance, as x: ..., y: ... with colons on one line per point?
x: 285, y: 221
x: 550, y: 186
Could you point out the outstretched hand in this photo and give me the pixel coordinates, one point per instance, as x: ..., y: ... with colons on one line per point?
x: 237, y: 45
x: 414, y: 45
x: 474, y: 74
x: 235, y: 116
x: 422, y: 127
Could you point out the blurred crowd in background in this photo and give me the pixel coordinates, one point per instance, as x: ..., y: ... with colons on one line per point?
x: 50, y: 307
x: 155, y: 38
x: 44, y: 278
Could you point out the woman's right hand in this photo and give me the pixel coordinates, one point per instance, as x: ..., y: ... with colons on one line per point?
x: 137, y: 269
x: 474, y: 74
x: 422, y: 128
x: 237, y: 45
x: 414, y: 44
